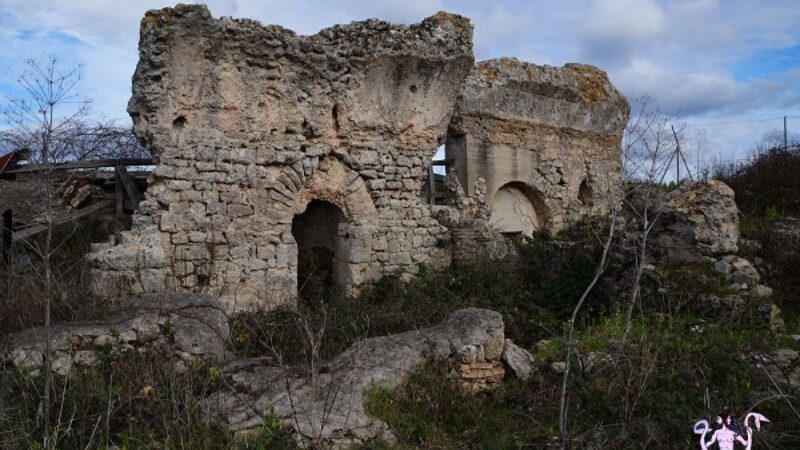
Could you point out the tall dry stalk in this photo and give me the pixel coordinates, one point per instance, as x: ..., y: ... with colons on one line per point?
x: 43, y: 120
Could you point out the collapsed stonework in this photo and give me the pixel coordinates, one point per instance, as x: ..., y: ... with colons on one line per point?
x: 188, y: 327
x: 329, y: 409
x: 271, y: 146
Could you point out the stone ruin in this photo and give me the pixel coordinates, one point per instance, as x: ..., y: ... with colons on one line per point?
x: 269, y: 144
x: 543, y: 141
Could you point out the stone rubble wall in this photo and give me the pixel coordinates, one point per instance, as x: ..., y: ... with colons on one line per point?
x: 331, y: 410
x: 249, y: 123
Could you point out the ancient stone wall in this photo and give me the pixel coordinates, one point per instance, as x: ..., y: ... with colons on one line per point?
x: 544, y: 140
x: 249, y: 123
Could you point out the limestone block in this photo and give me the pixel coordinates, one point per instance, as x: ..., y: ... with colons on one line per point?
x: 519, y: 360
x: 197, y: 324
x: 382, y: 361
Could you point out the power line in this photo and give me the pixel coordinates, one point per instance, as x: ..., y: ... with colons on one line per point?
x: 768, y: 119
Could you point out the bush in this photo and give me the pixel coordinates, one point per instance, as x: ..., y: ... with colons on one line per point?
x: 22, y: 291
x: 534, y: 292
x: 671, y: 373
x: 768, y: 186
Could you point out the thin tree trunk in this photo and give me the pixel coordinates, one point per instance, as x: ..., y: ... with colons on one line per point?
x: 48, y: 274
x: 640, y: 262
x: 563, y: 405
x: 48, y: 280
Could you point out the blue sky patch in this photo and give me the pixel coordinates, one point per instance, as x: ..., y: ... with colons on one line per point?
x: 767, y: 64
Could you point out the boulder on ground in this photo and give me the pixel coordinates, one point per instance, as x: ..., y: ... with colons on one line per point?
x: 519, y: 360
x: 327, y: 408
x: 737, y: 270
x: 191, y: 325
x: 698, y: 220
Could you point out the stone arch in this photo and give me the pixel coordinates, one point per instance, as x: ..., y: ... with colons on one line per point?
x: 338, y: 194
x: 336, y: 183
x: 516, y: 208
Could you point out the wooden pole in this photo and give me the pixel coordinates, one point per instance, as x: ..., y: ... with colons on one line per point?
x: 119, y: 196
x: 679, y: 156
x: 666, y: 169
x: 8, y: 224
x: 127, y: 183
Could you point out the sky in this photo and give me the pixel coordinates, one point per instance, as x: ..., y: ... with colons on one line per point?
x: 726, y: 69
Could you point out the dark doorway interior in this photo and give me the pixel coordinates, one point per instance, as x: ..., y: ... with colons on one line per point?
x: 320, y: 233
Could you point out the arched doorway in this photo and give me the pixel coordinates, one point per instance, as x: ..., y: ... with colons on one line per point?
x: 517, y: 209
x: 321, y: 236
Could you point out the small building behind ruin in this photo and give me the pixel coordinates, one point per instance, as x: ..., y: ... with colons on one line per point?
x: 276, y: 151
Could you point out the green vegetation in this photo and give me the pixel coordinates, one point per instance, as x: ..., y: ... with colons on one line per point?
x: 534, y: 292
x: 659, y: 384
x: 133, y: 401
x: 682, y: 361
x: 769, y: 183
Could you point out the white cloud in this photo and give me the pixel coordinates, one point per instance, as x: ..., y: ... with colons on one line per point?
x: 683, y: 53
x: 616, y: 29
x: 707, y: 93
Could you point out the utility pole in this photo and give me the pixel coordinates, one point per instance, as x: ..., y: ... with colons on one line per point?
x: 785, y: 135
x: 679, y: 158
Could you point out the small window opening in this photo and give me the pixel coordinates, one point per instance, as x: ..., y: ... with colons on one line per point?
x: 585, y: 194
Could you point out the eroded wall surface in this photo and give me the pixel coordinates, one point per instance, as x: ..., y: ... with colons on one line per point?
x: 542, y: 132
x: 249, y: 123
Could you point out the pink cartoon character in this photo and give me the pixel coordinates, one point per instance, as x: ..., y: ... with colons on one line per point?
x: 729, y: 432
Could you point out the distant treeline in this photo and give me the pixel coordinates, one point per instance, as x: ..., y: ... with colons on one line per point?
x: 770, y: 182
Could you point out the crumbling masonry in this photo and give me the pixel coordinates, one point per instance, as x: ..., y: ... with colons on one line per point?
x: 267, y: 142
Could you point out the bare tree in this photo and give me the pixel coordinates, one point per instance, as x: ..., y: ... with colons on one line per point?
x: 648, y: 150
x: 44, y: 118
x: 81, y: 140
x: 44, y: 121
x: 570, y: 340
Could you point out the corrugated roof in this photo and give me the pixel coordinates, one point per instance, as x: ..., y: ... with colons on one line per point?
x: 8, y: 160
x: 4, y: 160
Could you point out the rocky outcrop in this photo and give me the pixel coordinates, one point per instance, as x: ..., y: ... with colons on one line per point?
x: 190, y: 326
x: 782, y: 366
x: 328, y: 407
x: 697, y: 220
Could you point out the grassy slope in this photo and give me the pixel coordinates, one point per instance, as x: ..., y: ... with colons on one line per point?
x: 681, y: 363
